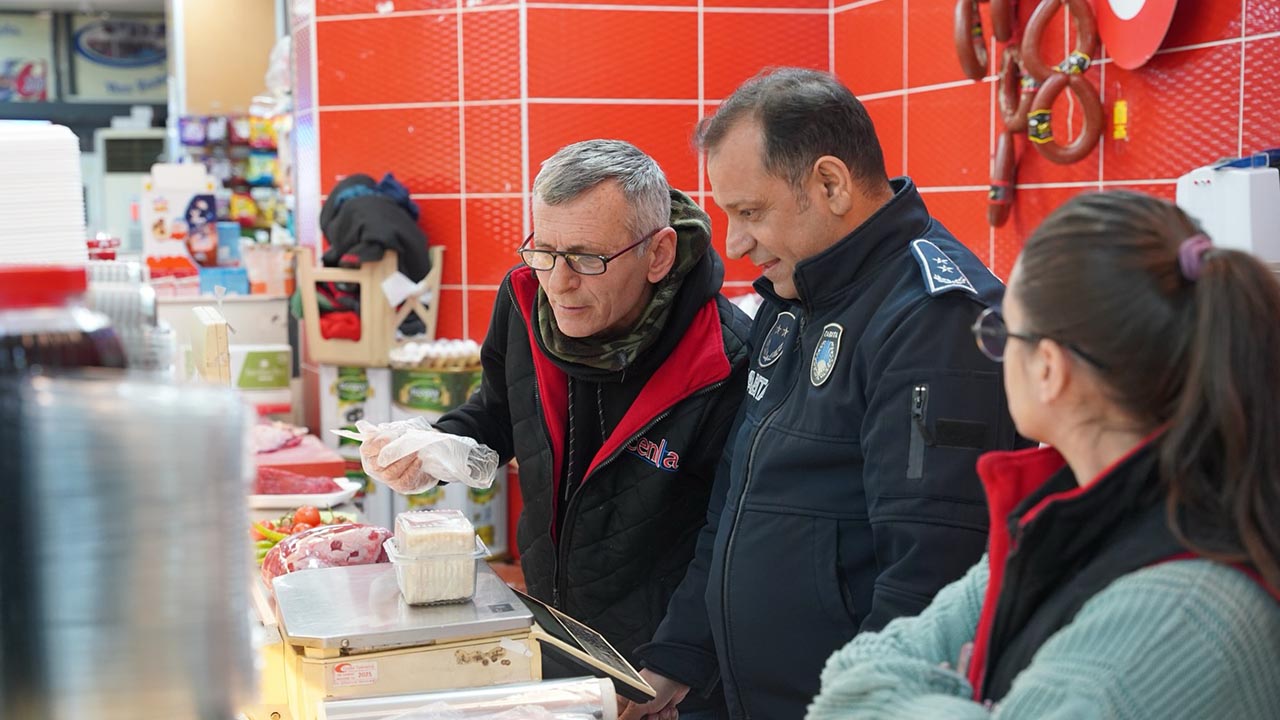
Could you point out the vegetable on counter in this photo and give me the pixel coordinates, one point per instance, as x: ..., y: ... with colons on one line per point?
x: 267, y: 533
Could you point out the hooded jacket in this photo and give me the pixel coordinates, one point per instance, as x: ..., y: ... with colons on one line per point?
x: 611, y: 549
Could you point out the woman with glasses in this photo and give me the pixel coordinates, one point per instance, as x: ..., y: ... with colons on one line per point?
x: 1134, y: 559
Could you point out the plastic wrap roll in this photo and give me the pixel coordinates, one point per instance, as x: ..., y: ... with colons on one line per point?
x: 571, y: 699
x: 131, y: 532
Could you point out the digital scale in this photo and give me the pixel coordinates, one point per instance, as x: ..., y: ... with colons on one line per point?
x: 345, y: 633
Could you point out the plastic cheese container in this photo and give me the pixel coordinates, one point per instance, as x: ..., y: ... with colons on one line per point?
x: 435, y: 554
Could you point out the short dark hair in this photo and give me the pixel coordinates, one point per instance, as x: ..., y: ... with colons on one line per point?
x: 1194, y: 355
x: 804, y: 114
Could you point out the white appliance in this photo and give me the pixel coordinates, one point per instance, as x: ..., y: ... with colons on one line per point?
x: 124, y: 157
x: 1239, y: 207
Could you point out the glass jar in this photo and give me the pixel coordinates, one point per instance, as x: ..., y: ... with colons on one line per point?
x: 44, y: 323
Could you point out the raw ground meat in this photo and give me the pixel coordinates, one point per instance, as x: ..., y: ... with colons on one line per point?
x: 273, y: 481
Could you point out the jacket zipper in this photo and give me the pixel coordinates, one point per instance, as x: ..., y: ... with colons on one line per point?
x: 919, y: 432
x: 733, y: 529
x: 562, y: 547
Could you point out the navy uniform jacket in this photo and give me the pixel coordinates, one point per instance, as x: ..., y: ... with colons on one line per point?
x: 848, y: 494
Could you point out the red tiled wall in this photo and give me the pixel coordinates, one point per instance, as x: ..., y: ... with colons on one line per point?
x: 463, y: 99
x: 1210, y: 92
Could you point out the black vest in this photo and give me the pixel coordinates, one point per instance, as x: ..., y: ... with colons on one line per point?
x: 1068, y: 552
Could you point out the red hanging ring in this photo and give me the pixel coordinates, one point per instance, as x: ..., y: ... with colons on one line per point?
x: 1004, y: 170
x: 1086, y: 38
x: 1003, y: 19
x: 1016, y: 91
x: 971, y: 46
x: 1039, y: 120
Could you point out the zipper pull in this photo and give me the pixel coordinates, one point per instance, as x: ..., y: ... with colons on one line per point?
x: 919, y: 432
x: 919, y: 406
x: 555, y: 598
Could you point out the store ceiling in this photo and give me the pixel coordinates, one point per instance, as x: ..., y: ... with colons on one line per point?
x: 86, y: 6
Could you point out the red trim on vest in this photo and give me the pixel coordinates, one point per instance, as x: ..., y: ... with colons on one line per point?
x: 697, y: 361
x: 553, y: 383
x: 1077, y: 492
x: 1008, y: 478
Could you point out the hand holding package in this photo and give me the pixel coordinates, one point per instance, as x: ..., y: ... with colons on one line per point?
x: 410, y: 456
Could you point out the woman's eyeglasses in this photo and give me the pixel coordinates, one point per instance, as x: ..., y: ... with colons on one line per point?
x: 581, y: 263
x: 992, y: 336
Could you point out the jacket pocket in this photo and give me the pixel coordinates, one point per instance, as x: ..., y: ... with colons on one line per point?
x: 833, y: 583
x: 784, y: 607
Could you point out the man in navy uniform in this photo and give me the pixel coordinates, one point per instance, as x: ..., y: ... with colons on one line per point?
x: 848, y: 495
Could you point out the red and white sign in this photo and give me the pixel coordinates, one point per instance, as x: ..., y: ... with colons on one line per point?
x: 1132, y: 30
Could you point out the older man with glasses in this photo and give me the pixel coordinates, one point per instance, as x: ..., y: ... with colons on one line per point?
x: 613, y: 369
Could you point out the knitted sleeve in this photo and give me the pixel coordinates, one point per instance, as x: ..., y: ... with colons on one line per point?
x: 912, y: 657
x: 1189, y: 639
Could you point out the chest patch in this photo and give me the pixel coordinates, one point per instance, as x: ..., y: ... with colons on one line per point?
x: 776, y: 340
x: 941, y: 274
x: 826, y: 354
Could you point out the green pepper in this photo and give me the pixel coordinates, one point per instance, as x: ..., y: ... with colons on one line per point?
x: 262, y: 553
x: 271, y: 535
x: 265, y: 544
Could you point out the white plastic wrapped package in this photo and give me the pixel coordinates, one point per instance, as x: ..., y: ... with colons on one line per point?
x: 326, y: 546
x: 568, y: 699
x: 442, y: 457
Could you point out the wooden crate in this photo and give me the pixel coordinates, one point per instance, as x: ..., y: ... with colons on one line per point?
x: 378, y: 320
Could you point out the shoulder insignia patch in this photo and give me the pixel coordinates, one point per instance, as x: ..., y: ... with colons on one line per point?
x: 941, y: 274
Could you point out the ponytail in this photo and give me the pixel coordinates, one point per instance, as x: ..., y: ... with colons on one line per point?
x: 1221, y: 453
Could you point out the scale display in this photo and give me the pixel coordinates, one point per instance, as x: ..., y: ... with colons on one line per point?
x: 583, y: 647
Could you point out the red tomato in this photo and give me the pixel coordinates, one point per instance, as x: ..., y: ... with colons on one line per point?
x: 286, y: 529
x: 308, y: 514
x: 299, y: 527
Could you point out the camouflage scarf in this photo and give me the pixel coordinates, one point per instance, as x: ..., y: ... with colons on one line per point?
x: 693, y: 237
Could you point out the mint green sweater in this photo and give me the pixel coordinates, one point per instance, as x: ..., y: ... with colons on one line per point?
x: 1185, y: 639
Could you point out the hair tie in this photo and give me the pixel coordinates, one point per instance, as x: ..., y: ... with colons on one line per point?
x: 1191, y: 255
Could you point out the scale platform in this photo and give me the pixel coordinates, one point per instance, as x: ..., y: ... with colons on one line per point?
x: 347, y: 633
x: 359, y: 609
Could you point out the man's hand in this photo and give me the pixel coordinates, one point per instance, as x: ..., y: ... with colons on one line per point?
x: 661, y: 707
x: 404, y: 475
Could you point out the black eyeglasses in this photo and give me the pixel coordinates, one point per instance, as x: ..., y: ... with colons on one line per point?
x: 581, y: 263
x: 992, y: 335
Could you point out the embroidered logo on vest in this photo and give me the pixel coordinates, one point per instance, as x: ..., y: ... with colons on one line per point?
x: 655, y: 453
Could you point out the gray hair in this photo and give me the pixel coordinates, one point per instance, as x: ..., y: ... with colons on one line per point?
x: 576, y: 169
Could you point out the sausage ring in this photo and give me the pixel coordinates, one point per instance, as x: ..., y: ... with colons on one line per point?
x: 1086, y: 38
x: 1039, y: 120
x: 1016, y: 91
x: 1004, y: 170
x: 1002, y: 19
x: 971, y: 46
